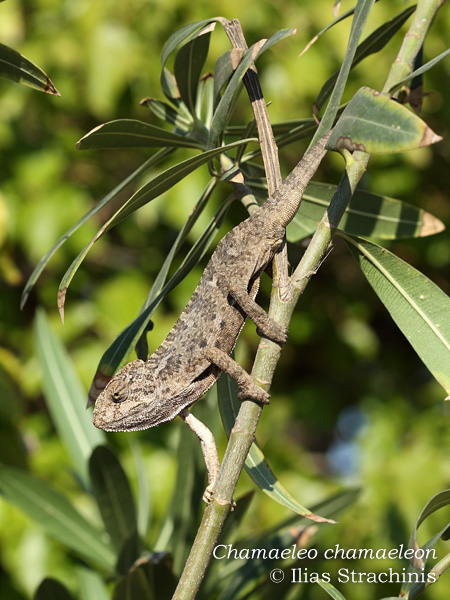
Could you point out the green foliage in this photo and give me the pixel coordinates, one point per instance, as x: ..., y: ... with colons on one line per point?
x: 373, y: 123
x: 108, y: 505
x: 17, y: 68
x: 56, y: 515
x: 418, y: 306
x: 64, y: 396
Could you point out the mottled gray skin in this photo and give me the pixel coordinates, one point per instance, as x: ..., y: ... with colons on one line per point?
x: 196, y: 351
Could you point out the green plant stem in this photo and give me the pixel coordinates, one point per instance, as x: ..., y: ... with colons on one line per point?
x: 319, y: 246
x: 243, y: 432
x: 412, y: 42
x: 437, y: 571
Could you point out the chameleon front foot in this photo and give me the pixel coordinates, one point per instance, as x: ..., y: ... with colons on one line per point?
x: 277, y: 332
x: 253, y: 392
x: 247, y: 387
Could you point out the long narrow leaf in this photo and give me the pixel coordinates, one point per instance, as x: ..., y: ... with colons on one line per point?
x: 255, y: 464
x: 331, y: 590
x: 224, y: 69
x: 420, y: 309
x: 129, y: 553
x: 419, y: 71
x: 51, y: 589
x: 152, y: 580
x: 368, y: 215
x: 362, y: 10
x: 182, y: 36
x: 418, y: 564
x: 17, y: 68
x: 167, y: 113
x: 91, y: 585
x: 113, y: 495
x: 275, y: 38
x: 181, y: 237
x: 226, y: 104
x: 144, y: 499
x: 65, y: 397
x: 347, y: 13
x: 151, y: 162
x: 134, y: 585
x: 189, y: 62
x: 151, y: 190
x: 374, y: 43
x: 52, y: 511
x: 130, y: 133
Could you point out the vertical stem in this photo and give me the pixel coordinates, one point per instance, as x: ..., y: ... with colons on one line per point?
x: 268, y: 353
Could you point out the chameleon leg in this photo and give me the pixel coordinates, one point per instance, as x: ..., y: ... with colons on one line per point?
x: 265, y: 325
x: 209, y: 450
x: 247, y: 387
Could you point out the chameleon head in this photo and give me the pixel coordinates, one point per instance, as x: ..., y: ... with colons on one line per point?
x: 126, y: 401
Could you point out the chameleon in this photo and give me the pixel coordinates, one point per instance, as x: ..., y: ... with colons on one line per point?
x: 197, y: 350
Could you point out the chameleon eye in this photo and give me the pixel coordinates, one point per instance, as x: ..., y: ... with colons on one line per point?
x: 118, y: 391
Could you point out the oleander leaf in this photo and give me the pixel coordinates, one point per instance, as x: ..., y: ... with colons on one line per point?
x: 51, y: 589
x: 182, y: 36
x: 376, y: 124
x: 15, y: 67
x: 423, y: 69
x: 362, y: 11
x: 152, y: 579
x: 91, y: 585
x: 347, y: 13
x: 160, y: 280
x: 189, y: 62
x: 167, y: 113
x: 133, y: 585
x: 55, y: 514
x: 131, y: 133
x: 224, y: 69
x: 330, y: 590
x: 368, y: 215
x: 144, y: 496
x: 375, y: 42
x: 65, y: 397
x: 227, y: 102
x: 418, y: 562
x: 418, y: 306
x: 112, y: 492
x: 151, y: 162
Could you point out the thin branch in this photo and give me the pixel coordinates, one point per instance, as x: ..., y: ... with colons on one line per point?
x: 268, y: 145
x: 268, y: 353
x: 436, y: 573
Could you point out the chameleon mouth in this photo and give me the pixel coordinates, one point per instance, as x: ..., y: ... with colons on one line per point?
x: 115, y: 423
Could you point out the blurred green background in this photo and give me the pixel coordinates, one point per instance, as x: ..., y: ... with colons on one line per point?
x: 352, y: 404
